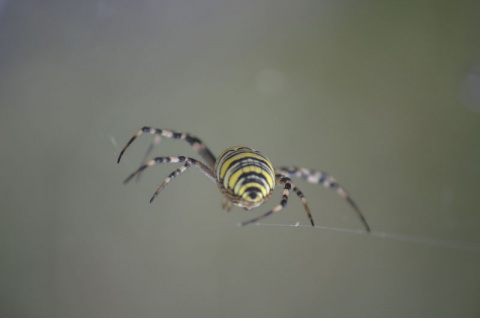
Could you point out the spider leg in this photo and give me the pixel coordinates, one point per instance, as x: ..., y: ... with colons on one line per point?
x: 197, y: 145
x: 156, y: 140
x: 171, y: 176
x: 327, y: 181
x: 283, y: 202
x: 305, y: 204
x: 188, y: 163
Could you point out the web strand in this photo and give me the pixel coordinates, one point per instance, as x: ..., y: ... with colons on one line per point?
x: 457, y: 245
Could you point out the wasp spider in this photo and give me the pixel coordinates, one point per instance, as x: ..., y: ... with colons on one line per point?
x: 245, y: 177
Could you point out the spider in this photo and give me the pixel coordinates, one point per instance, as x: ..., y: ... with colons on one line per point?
x: 245, y: 177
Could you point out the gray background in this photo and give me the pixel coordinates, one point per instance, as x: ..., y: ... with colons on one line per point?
x: 383, y: 96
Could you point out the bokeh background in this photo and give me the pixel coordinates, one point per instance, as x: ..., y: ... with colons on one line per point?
x: 384, y: 96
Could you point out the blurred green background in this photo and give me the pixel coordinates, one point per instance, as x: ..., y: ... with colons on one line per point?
x: 383, y: 96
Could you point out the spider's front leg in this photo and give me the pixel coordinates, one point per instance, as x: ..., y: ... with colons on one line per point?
x: 188, y: 162
x: 197, y: 145
x: 156, y: 140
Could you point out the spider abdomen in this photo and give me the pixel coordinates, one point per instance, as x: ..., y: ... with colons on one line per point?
x: 245, y: 176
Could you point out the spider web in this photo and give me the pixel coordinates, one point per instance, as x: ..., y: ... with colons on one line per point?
x: 458, y: 245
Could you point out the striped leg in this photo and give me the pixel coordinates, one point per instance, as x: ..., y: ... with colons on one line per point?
x: 171, y: 176
x: 188, y: 163
x: 196, y: 143
x: 304, y: 201
x: 283, y: 202
x: 327, y: 181
x: 156, y: 140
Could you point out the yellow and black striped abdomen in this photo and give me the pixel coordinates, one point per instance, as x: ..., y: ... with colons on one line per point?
x: 245, y: 176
